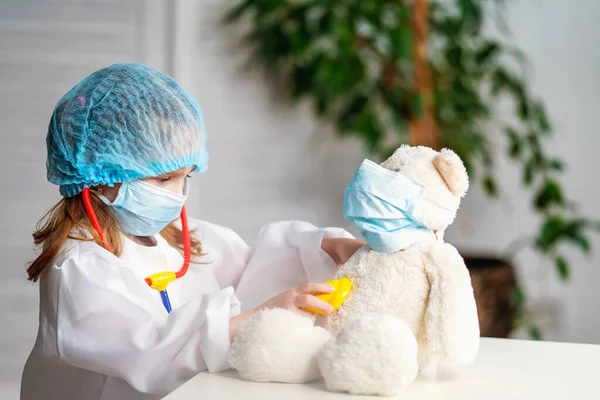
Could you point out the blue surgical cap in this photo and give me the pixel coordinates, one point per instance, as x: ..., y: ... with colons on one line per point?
x: 121, y: 123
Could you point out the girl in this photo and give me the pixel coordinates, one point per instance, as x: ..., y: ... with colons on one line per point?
x: 123, y: 313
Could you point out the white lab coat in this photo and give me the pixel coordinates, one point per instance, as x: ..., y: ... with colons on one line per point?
x: 105, y: 335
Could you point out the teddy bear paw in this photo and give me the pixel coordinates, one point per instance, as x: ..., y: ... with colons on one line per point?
x: 372, y: 355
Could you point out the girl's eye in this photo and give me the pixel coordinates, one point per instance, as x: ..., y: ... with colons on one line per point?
x: 189, y: 176
x: 162, y: 180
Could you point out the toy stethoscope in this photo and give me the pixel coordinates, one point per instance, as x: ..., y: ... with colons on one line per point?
x: 159, y: 280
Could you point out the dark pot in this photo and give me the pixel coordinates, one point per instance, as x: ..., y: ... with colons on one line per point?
x: 493, y: 283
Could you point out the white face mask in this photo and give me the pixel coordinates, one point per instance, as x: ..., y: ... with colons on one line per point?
x: 144, y: 209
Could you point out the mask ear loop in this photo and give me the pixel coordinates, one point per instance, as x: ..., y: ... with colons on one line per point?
x: 164, y: 277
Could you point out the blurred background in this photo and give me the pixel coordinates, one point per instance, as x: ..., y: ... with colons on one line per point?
x: 329, y: 86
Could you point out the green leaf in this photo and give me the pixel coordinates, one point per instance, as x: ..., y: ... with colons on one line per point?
x: 582, y: 242
x: 549, y: 194
x: 347, y: 117
x: 473, y: 141
x: 446, y: 26
x: 488, y: 51
x: 551, y: 230
x: 534, y: 143
x: 486, y: 157
x: 454, y: 56
x: 326, y: 22
x: 574, y: 232
x: 542, y: 118
x: 515, y: 144
x: 501, y: 80
x: 528, y: 172
x: 368, y: 125
x: 489, y: 186
x: 269, y: 6
x: 299, y: 39
x: 338, y: 76
x: 555, y: 165
x: 471, y: 16
x: 399, y: 103
x: 535, y: 333
x: 557, y: 228
x: 517, y: 296
x: 302, y: 81
x: 504, y: 81
x: 272, y: 47
x: 562, y: 267
x: 364, y: 123
x: 343, y: 32
x: 401, y: 40
x: 357, y: 104
x: 321, y: 105
x: 523, y: 110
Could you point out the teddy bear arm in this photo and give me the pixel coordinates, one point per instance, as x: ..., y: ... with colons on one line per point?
x: 451, y: 321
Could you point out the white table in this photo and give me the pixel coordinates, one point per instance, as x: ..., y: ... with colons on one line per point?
x: 504, y: 369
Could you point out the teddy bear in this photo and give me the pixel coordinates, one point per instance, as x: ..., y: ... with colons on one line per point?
x: 411, y: 305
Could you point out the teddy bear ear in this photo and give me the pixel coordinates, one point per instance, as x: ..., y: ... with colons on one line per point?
x: 453, y: 172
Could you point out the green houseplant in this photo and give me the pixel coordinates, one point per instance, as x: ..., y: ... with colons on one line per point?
x: 425, y: 73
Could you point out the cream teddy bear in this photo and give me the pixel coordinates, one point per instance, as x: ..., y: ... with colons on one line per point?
x: 411, y: 305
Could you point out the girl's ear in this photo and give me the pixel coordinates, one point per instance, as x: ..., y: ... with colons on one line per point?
x: 110, y: 192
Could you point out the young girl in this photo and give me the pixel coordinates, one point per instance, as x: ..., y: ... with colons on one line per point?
x: 123, y: 312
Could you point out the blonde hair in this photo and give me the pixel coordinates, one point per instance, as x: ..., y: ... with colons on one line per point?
x: 68, y: 216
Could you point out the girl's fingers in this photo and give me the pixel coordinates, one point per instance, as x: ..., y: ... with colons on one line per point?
x: 306, y: 300
x: 314, y: 288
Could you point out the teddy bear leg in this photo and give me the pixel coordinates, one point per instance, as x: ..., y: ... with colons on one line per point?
x: 372, y: 355
x: 278, y: 346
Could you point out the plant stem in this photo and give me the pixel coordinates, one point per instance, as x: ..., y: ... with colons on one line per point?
x: 423, y: 127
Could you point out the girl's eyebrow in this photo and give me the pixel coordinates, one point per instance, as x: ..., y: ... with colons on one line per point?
x: 178, y: 172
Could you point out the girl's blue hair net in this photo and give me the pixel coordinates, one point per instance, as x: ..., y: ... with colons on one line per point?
x: 121, y: 123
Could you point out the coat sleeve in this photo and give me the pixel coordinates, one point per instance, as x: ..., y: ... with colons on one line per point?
x: 286, y: 254
x: 108, y: 321
x: 224, y: 251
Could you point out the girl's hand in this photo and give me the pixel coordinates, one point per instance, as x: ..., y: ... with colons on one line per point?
x: 301, y: 297
x: 341, y: 249
x: 295, y: 300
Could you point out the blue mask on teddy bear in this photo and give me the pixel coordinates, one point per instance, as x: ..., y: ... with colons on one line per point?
x: 380, y: 203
